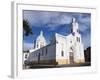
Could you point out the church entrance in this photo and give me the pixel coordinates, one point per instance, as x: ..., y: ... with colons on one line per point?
x: 71, y: 57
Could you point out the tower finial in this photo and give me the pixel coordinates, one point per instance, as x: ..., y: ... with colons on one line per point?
x: 73, y: 20
x: 41, y: 33
x: 74, y: 28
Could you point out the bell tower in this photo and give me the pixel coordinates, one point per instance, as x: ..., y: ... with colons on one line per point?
x: 76, y: 48
x: 74, y: 27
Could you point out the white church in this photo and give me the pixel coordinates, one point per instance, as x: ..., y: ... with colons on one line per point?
x: 61, y: 50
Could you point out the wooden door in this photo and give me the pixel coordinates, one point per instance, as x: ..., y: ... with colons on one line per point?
x: 71, y: 57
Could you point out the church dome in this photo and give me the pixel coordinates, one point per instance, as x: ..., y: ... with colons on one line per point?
x: 40, y: 41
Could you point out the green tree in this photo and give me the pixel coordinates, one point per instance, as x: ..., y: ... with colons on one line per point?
x: 26, y: 28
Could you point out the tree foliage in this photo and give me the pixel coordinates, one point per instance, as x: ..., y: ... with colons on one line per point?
x: 26, y: 28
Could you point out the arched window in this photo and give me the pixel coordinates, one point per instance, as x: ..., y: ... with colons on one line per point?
x: 71, y: 48
x: 77, y: 30
x: 62, y: 53
x: 78, y: 39
x: 37, y: 45
x: 73, y: 33
x: 25, y: 55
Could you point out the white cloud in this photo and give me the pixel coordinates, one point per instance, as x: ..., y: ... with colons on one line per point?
x: 37, y: 18
x: 52, y: 26
x: 66, y: 19
x: 52, y: 20
x: 86, y: 39
x: 83, y: 27
x: 85, y: 20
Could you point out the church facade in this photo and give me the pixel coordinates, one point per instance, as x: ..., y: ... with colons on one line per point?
x: 61, y: 50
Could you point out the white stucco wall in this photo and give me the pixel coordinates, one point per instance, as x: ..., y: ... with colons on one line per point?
x: 61, y: 46
x: 46, y: 53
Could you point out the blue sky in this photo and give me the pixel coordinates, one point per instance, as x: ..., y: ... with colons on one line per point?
x: 51, y: 22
